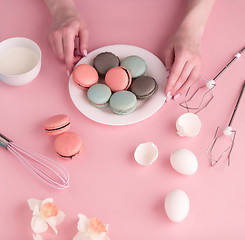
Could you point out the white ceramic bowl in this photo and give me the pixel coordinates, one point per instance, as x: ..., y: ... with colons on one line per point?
x: 18, y: 72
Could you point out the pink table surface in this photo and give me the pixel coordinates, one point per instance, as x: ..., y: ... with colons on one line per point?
x: 106, y: 182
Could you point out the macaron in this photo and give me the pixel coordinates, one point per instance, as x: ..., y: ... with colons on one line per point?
x: 123, y: 102
x: 104, y: 61
x: 118, y: 79
x: 99, y: 95
x: 85, y: 75
x: 144, y: 87
x: 57, y: 124
x: 135, y: 64
x: 68, y: 145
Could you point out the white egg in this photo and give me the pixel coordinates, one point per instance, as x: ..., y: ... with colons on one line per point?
x: 177, y: 205
x: 188, y: 125
x: 184, y: 161
x: 146, y: 153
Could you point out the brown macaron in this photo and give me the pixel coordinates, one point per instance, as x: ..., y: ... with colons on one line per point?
x: 144, y: 87
x: 104, y: 61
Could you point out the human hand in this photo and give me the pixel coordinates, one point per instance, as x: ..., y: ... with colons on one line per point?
x: 66, y: 27
x: 183, y: 61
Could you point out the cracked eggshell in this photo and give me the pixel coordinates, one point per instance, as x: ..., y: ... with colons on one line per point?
x: 146, y: 153
x: 184, y: 161
x: 177, y: 205
x: 188, y: 125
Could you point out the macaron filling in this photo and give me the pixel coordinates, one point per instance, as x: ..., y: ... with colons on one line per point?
x: 80, y: 85
x: 57, y: 128
x: 70, y: 157
x: 120, y: 111
x: 129, y: 77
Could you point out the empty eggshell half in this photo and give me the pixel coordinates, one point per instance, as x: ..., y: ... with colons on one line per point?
x: 184, y: 161
x: 177, y: 205
x: 188, y: 125
x: 146, y: 153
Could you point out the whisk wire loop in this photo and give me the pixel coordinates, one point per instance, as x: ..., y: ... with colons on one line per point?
x: 48, y: 170
x: 214, y: 160
x: 187, y: 103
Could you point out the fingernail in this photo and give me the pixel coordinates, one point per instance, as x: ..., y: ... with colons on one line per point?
x: 85, y: 52
x: 168, y: 97
x: 169, y: 94
x: 68, y: 73
x: 167, y: 74
x: 176, y: 96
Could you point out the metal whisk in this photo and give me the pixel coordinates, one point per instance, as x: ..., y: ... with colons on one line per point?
x: 224, y: 135
x: 205, y: 91
x: 47, y: 169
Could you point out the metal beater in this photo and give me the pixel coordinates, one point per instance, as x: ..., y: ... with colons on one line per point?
x: 203, y: 95
x: 222, y: 136
x: 46, y: 168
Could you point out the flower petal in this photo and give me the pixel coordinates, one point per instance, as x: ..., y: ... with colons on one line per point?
x: 83, y: 223
x: 47, y: 200
x: 32, y: 202
x: 36, y: 211
x: 52, y: 223
x: 38, y: 224
x: 81, y: 236
x: 100, y: 236
x: 60, y: 217
x: 37, y: 237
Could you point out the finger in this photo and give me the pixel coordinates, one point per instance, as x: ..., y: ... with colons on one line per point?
x: 169, y: 58
x: 186, y: 71
x: 51, y: 42
x: 83, y: 41
x: 194, y: 75
x: 77, y: 47
x: 76, y: 59
x: 175, y: 72
x: 58, y: 44
x: 69, y: 45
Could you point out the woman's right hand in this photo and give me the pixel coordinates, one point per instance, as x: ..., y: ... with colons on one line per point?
x: 66, y: 27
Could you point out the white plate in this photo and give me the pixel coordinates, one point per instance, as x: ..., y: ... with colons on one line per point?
x: 144, y: 109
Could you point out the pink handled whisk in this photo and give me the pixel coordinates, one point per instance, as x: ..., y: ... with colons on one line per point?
x: 222, y: 137
x: 200, y: 93
x: 45, y: 168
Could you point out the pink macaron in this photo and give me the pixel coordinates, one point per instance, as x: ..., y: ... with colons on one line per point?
x: 68, y: 145
x: 57, y: 124
x: 118, y: 79
x: 85, y: 75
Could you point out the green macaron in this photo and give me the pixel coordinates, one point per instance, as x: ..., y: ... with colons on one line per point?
x: 135, y: 65
x: 123, y: 102
x: 99, y: 95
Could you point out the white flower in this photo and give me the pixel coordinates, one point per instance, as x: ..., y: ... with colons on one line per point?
x: 91, y: 229
x: 37, y: 236
x: 45, y: 214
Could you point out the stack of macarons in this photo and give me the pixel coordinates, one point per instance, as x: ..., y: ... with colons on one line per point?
x: 119, y: 83
x: 67, y: 144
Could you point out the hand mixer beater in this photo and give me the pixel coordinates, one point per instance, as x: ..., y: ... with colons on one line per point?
x: 46, y: 168
x: 197, y: 98
x: 222, y: 137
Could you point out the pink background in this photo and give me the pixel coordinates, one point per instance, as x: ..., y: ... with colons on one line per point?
x: 106, y: 182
